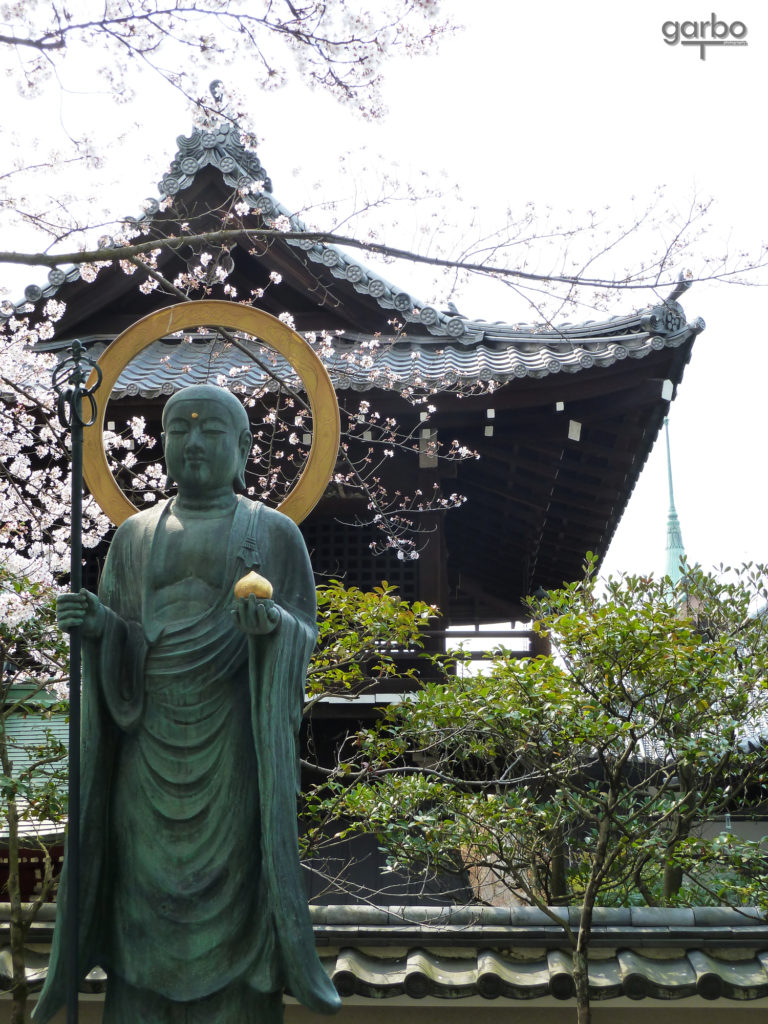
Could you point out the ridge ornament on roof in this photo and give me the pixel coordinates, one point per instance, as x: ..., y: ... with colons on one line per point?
x: 222, y: 147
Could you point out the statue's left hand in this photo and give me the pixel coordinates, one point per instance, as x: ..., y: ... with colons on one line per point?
x: 256, y: 616
x: 82, y: 610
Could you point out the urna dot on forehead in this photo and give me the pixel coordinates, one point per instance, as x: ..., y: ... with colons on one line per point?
x: 210, y: 393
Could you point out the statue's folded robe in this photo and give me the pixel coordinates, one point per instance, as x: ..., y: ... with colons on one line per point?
x: 190, y: 872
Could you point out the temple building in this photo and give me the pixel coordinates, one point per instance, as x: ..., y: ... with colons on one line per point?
x: 552, y: 426
x: 562, y: 417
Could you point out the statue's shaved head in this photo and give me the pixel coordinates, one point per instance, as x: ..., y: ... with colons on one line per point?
x: 230, y: 406
x: 211, y: 393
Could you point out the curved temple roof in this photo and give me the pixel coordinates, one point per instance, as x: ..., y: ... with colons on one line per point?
x: 498, y: 350
x: 561, y: 446
x: 165, y: 366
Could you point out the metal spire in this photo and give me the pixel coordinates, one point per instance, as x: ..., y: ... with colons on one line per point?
x: 675, y: 549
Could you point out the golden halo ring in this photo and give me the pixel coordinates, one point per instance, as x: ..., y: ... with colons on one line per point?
x: 271, y: 332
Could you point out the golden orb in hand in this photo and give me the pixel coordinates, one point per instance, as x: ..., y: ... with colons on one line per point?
x: 253, y: 584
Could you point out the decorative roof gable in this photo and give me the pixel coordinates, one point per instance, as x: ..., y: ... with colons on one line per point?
x: 500, y: 350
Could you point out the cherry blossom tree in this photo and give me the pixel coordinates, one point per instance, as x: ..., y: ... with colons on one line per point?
x: 328, y: 44
x: 331, y: 44
x: 554, y: 262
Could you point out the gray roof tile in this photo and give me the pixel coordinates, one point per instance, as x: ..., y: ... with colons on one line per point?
x: 168, y: 365
x: 493, y: 975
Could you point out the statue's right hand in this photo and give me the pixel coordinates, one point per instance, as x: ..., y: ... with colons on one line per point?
x: 83, y: 609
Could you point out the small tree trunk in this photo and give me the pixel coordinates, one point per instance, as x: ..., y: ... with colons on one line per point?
x: 673, y: 879
x: 673, y: 873
x: 19, y: 989
x: 581, y: 981
x: 580, y: 961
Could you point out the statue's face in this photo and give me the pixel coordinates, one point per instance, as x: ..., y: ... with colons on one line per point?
x: 203, y: 448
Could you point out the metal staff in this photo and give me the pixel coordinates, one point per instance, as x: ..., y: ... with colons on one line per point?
x: 69, y: 383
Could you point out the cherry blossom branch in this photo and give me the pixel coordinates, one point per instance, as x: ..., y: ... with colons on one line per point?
x: 176, y: 242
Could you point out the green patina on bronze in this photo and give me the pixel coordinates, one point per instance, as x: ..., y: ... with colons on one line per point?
x: 192, y: 896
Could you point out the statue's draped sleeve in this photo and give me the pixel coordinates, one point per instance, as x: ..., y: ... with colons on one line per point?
x: 277, y: 672
x: 111, y: 699
x: 113, y: 702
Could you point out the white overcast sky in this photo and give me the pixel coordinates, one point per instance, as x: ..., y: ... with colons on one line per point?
x: 577, y: 106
